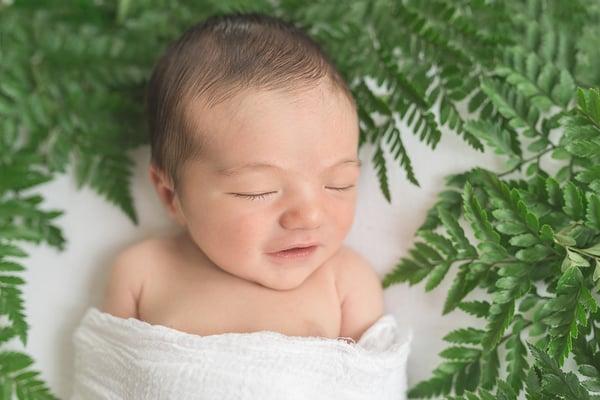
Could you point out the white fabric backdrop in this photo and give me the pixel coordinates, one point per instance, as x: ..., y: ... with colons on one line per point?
x: 62, y: 285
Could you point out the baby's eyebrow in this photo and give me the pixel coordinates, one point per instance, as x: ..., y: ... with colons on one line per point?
x: 262, y: 165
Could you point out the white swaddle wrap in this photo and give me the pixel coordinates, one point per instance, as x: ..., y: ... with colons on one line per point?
x: 117, y: 358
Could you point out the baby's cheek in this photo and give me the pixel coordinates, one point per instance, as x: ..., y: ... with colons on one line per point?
x: 343, y: 215
x: 246, y: 230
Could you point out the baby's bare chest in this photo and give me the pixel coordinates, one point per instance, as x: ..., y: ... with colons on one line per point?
x: 203, y: 303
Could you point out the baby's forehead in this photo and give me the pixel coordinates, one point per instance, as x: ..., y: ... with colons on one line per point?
x: 322, y: 94
x: 253, y: 104
x: 269, y: 118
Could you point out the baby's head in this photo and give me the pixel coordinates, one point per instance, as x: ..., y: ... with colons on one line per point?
x: 230, y: 96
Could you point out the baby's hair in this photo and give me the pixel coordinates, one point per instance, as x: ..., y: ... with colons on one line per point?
x: 216, y: 59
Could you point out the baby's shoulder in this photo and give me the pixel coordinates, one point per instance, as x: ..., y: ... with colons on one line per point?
x: 148, y: 247
x: 351, y: 267
x: 347, y: 258
x: 127, y: 272
x: 139, y: 256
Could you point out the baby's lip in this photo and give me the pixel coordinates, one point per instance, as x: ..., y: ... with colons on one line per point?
x: 293, y: 246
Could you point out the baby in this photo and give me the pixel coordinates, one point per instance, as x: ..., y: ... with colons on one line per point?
x: 254, y: 142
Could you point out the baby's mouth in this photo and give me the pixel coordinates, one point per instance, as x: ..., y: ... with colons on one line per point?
x: 295, y: 252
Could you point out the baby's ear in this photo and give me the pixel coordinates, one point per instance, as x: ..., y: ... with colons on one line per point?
x: 166, y: 192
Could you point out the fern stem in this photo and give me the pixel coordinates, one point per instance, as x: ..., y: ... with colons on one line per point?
x: 508, y: 336
x: 551, y: 147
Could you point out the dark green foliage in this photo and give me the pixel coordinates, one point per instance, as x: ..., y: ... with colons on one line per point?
x: 15, y: 375
x: 531, y: 235
x: 536, y: 251
x: 553, y: 381
x: 71, y: 95
x: 16, y: 379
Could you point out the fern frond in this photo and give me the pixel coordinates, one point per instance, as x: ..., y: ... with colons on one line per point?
x: 516, y: 358
x: 398, y: 151
x: 16, y: 379
x: 381, y: 169
x: 543, y: 84
x: 553, y: 380
x: 109, y: 174
x: 566, y: 312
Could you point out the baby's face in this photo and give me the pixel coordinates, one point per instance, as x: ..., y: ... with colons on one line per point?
x: 311, y: 139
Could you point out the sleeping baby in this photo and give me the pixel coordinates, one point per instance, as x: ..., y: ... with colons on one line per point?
x: 254, y: 140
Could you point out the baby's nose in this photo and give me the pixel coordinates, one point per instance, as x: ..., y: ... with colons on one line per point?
x: 303, y: 214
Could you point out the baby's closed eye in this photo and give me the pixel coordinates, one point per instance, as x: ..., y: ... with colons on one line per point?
x: 264, y: 195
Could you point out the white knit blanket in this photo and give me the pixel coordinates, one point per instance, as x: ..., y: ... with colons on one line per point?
x: 117, y: 358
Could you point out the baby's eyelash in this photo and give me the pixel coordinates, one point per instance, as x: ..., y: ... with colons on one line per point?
x: 342, y: 189
x: 261, y: 196
x: 252, y: 196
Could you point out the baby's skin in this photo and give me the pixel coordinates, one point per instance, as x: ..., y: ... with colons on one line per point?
x: 219, y: 274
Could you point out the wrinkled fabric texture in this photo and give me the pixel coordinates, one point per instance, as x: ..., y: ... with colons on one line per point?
x: 117, y: 358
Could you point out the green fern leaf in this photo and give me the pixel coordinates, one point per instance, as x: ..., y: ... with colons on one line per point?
x: 492, y: 135
x: 440, y: 242
x: 563, y: 314
x: 451, y: 200
x: 441, y: 381
x: 10, y: 250
x: 516, y: 361
x: 398, y: 151
x: 456, y: 232
x: 535, y: 253
x: 588, y: 103
x: 35, y: 225
x: 521, y: 71
x: 501, y: 315
x: 7, y: 333
x: 573, y: 200
x: 512, y: 107
x: 405, y: 271
x: 461, y: 353
x: 490, y: 367
x: 478, y: 217
x: 589, y: 175
x: 12, y: 361
x: 22, y: 173
x: 555, y: 196
x: 24, y: 383
x: 465, y: 335
x: 111, y: 177
x: 27, y: 386
x: 449, y: 113
x: 478, y: 308
x: 585, y: 148
x: 524, y: 240
x: 12, y: 305
x: 380, y: 168
x: 563, y: 91
x: 554, y: 381
x: 464, y: 282
x: 8, y: 266
x: 513, y: 284
x: 437, y: 275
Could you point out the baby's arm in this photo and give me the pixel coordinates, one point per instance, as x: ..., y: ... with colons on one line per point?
x: 124, y: 285
x: 361, y: 295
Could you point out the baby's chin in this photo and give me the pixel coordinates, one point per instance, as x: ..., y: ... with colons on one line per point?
x: 285, y: 278
x: 279, y: 287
